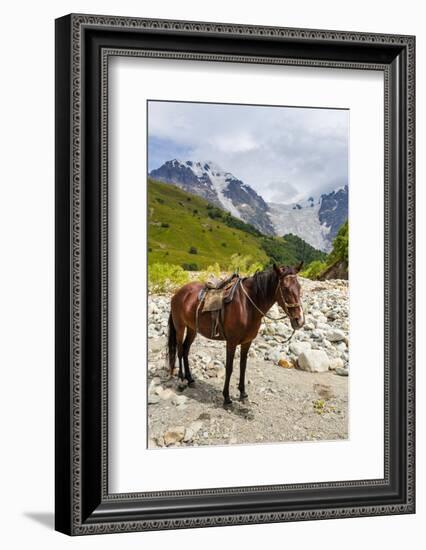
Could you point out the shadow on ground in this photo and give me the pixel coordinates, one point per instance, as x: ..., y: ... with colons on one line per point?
x: 47, y: 519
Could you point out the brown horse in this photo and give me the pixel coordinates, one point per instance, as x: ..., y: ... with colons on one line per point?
x: 253, y: 298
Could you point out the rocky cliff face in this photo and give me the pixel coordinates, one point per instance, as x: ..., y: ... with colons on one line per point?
x: 316, y: 221
x: 333, y: 211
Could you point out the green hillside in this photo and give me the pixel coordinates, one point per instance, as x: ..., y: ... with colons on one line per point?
x: 290, y: 250
x: 336, y: 264
x: 186, y: 230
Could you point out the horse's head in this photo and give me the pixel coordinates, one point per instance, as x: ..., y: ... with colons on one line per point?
x: 289, y: 294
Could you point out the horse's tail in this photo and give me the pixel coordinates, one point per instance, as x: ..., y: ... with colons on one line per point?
x: 171, y: 344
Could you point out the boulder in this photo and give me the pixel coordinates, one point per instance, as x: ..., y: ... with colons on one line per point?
x: 314, y: 361
x: 299, y: 347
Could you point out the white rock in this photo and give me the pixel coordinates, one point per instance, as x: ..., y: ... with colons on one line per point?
x: 192, y: 430
x: 336, y: 363
x: 314, y: 361
x: 335, y: 335
x: 298, y: 347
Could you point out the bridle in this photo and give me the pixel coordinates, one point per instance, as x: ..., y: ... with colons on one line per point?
x: 286, y: 304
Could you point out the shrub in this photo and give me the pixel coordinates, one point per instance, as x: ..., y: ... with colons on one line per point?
x: 166, y: 277
x: 193, y: 250
x: 190, y: 267
x: 212, y: 271
x: 214, y: 213
x: 340, y: 245
x: 244, y: 264
x: 339, y: 253
x: 314, y: 269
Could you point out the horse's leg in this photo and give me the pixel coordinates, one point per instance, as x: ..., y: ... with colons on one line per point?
x: 190, y: 336
x: 243, y: 363
x: 180, y: 333
x: 230, y: 352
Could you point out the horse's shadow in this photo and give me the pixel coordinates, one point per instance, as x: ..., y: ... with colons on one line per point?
x: 207, y: 394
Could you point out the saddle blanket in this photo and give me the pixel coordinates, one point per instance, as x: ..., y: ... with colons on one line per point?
x: 214, y: 299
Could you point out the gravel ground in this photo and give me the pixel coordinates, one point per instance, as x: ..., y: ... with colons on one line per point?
x: 296, y: 391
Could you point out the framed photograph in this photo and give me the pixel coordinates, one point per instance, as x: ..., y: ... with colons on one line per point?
x: 234, y: 274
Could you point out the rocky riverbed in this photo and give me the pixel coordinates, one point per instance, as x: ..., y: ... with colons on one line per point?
x: 297, y: 391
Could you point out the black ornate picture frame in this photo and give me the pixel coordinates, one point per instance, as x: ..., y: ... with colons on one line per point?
x: 84, y: 44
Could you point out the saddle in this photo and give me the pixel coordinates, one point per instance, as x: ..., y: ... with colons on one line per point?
x: 213, y: 297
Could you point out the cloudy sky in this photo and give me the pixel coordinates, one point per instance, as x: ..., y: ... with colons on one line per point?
x: 285, y: 153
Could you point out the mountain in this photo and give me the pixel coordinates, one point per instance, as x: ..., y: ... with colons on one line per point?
x: 186, y: 230
x: 209, y: 181
x: 317, y: 221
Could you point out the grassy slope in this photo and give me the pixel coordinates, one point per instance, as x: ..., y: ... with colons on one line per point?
x: 169, y: 204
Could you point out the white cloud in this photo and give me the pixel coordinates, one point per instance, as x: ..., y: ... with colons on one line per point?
x: 284, y: 153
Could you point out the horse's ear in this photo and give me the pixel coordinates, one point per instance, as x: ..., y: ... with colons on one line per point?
x: 277, y: 268
x: 299, y: 266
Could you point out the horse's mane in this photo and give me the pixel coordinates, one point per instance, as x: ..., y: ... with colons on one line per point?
x: 265, y: 282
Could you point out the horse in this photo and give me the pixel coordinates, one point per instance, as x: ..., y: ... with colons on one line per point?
x: 253, y: 298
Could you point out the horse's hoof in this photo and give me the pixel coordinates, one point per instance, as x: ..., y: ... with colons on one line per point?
x: 191, y: 383
x: 243, y: 396
x: 227, y: 403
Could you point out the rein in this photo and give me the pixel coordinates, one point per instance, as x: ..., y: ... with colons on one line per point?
x: 286, y: 305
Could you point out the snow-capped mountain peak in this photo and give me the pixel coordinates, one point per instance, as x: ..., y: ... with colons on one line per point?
x: 210, y: 181
x: 314, y: 219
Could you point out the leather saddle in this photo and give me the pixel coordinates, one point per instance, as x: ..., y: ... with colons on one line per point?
x: 213, y: 297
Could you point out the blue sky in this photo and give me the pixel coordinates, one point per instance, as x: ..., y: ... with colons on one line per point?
x: 285, y: 153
